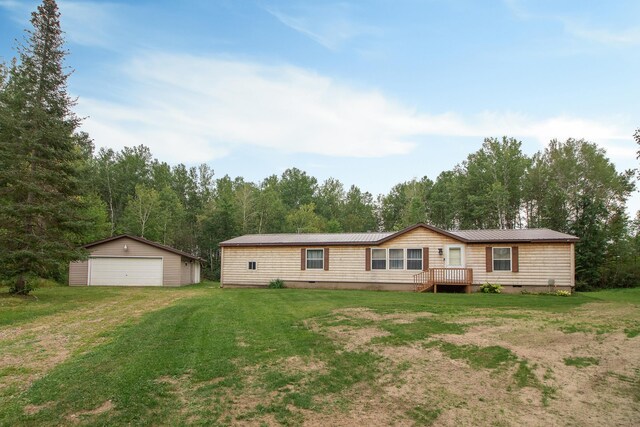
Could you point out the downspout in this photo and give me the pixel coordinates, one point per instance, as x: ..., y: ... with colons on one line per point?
x: 221, y: 266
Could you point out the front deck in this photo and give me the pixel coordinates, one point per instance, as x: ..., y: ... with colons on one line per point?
x: 430, y: 279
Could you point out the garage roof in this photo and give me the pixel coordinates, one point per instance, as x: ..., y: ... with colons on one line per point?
x: 142, y: 240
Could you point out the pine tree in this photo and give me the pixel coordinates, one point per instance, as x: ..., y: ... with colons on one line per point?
x: 40, y: 158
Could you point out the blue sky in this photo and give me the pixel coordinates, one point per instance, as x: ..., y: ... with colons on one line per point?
x: 370, y: 92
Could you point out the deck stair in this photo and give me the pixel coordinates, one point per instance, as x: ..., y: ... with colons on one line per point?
x: 429, y: 279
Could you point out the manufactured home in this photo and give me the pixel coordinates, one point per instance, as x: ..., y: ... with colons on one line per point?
x: 418, y: 258
x: 133, y: 261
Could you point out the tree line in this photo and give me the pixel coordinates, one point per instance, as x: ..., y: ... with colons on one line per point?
x: 570, y: 186
x: 57, y: 193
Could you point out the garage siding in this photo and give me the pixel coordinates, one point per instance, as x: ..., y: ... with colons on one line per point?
x: 78, y: 272
x: 185, y: 271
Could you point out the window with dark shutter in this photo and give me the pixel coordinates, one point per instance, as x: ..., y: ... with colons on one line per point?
x: 303, y: 259
x: 326, y: 259
x: 489, y: 259
x: 315, y: 259
x: 379, y: 259
x: 425, y: 259
x: 515, y: 259
x: 367, y: 259
x: 501, y: 259
x: 414, y: 259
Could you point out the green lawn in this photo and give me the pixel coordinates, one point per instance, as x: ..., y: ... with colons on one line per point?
x: 206, y: 356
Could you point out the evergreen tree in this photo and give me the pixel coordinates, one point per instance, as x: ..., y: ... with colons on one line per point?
x: 40, y: 157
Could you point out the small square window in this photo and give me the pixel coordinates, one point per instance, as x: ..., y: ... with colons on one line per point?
x: 501, y: 259
x: 252, y: 265
x: 315, y: 259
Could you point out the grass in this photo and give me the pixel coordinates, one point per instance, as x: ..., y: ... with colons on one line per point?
x: 492, y: 357
x: 223, y: 357
x: 581, y: 362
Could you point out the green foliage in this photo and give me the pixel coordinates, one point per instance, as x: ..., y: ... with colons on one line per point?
x: 276, y: 284
x: 581, y: 362
x: 490, y: 288
x: 493, y: 185
x: 304, y: 220
x: 561, y: 293
x: 41, y: 159
x: 575, y: 188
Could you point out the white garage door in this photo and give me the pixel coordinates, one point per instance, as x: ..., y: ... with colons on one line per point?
x: 129, y: 271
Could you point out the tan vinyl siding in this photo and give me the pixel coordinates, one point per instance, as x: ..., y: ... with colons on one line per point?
x: 537, y: 262
x: 189, y: 273
x: 171, y: 262
x: 78, y: 273
x: 346, y: 263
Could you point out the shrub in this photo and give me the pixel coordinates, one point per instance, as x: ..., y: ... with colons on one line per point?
x: 563, y: 293
x: 491, y: 288
x: 276, y: 284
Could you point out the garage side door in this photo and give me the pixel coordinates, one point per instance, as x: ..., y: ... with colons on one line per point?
x: 128, y: 271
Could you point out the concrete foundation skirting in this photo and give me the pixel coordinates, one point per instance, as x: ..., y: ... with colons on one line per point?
x: 403, y: 287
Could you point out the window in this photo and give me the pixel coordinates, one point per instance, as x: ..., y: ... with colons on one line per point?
x: 315, y: 259
x: 252, y: 265
x: 396, y: 259
x: 378, y: 259
x: 414, y: 259
x: 501, y: 259
x: 454, y: 258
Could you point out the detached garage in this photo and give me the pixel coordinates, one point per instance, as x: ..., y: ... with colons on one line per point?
x: 133, y: 261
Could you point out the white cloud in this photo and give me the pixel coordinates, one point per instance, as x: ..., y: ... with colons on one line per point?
x: 90, y: 23
x: 191, y: 109
x: 580, y: 28
x: 327, y: 24
x: 626, y: 37
x: 217, y: 104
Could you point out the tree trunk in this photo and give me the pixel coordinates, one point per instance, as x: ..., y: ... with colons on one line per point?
x: 21, y: 286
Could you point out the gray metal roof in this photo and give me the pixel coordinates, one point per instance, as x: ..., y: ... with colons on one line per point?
x: 522, y: 235
x: 469, y: 236
x: 305, y: 239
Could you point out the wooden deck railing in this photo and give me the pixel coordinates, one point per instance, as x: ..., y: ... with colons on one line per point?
x: 433, y: 277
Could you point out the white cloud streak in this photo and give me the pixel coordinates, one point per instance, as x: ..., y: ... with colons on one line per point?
x: 191, y: 109
x: 90, y: 23
x: 583, y: 29
x: 626, y: 37
x: 326, y: 24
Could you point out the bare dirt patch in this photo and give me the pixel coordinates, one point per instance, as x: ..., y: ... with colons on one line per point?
x: 299, y: 364
x: 77, y: 417
x: 368, y: 314
x: 452, y: 392
x: 353, y: 338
